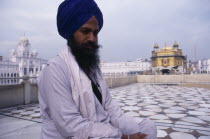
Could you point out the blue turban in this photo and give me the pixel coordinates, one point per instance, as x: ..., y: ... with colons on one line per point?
x: 72, y: 14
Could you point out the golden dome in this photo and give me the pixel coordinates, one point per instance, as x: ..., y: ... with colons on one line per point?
x: 156, y: 46
x: 24, y: 40
x: 176, y: 44
x: 167, y: 48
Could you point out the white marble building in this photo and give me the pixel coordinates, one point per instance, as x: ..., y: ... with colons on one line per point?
x: 8, y: 69
x: 120, y: 69
x: 22, y: 61
x: 204, y: 66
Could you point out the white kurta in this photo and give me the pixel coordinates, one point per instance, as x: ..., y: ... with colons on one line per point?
x: 62, y: 118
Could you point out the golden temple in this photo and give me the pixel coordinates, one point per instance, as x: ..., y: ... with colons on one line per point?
x: 168, y: 60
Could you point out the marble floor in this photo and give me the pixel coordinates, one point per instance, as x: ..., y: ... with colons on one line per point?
x: 179, y: 112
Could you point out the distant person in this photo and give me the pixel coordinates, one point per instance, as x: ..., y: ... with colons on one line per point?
x: 74, y: 99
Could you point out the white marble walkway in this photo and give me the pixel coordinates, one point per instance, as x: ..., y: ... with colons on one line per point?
x: 179, y: 112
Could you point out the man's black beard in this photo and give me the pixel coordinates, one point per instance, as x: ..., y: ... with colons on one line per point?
x: 87, y: 58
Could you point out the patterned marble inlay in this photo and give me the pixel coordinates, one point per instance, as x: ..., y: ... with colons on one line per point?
x: 179, y: 112
x: 181, y: 135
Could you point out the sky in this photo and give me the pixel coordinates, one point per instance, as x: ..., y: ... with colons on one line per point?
x: 131, y: 27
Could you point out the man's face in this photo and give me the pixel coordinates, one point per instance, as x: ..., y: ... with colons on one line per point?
x: 88, y: 33
x: 84, y: 45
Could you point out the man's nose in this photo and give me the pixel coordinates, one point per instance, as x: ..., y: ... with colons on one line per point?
x: 91, y: 37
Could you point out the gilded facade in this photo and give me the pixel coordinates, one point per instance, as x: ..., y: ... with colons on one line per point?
x: 168, y: 60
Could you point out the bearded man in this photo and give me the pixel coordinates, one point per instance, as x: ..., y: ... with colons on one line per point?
x: 75, y: 101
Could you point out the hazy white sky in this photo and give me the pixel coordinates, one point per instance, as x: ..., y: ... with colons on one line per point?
x: 131, y: 27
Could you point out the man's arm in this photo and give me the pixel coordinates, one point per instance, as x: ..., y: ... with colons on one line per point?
x: 126, y: 124
x: 62, y: 110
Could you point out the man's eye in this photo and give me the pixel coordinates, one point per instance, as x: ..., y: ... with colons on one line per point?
x: 85, y: 31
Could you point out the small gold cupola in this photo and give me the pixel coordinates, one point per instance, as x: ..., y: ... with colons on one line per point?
x: 176, y: 45
x: 156, y: 47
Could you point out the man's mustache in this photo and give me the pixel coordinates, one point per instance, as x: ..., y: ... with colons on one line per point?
x: 89, y: 44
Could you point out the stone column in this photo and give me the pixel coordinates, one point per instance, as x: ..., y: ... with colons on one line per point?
x: 111, y: 81
x: 27, y: 90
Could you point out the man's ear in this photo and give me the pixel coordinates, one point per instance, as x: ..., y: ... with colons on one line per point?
x: 70, y: 40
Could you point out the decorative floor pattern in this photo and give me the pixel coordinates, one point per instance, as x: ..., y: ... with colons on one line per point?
x: 179, y: 112
x: 28, y: 112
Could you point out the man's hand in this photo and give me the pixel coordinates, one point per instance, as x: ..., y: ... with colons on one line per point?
x: 135, y: 136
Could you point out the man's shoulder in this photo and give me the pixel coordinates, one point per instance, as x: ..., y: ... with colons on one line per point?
x: 57, y: 63
x: 55, y: 67
x: 56, y: 60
